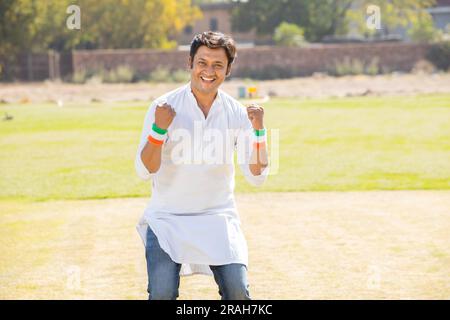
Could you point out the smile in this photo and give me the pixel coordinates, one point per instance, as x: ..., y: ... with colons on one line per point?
x: 208, y: 80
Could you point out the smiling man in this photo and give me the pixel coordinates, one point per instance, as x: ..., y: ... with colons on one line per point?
x: 191, y: 224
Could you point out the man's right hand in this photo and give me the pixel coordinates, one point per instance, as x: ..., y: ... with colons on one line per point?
x: 164, y: 115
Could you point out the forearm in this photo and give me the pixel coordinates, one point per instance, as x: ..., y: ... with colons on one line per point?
x: 258, y: 160
x: 151, y: 157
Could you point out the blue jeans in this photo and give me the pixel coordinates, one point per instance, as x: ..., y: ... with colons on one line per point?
x: 164, y: 275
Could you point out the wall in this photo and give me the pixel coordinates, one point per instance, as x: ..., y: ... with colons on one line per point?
x: 298, y: 61
x: 301, y: 61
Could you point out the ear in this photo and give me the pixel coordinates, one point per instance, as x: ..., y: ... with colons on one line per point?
x: 228, y: 71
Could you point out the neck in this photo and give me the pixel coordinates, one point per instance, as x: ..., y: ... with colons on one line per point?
x: 204, y: 101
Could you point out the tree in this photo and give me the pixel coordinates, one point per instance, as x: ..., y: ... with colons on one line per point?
x: 326, y: 17
x: 134, y: 23
x: 318, y: 18
x: 17, y: 18
x: 289, y: 34
x: 422, y: 28
x: 394, y: 14
x: 35, y: 25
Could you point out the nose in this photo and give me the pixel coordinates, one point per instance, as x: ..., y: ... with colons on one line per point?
x: 209, y: 70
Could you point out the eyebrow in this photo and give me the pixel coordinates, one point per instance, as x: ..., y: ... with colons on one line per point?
x: 217, y: 61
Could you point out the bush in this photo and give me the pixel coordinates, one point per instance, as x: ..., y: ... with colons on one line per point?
x: 126, y: 74
x: 96, y: 79
x: 439, y: 55
x: 289, y: 34
x: 160, y: 74
x: 423, y: 29
x: 347, y: 67
x: 350, y: 66
x: 98, y: 75
x: 80, y: 76
x: 118, y: 75
x: 180, y: 75
x: 163, y: 74
x: 423, y: 67
x: 373, y: 68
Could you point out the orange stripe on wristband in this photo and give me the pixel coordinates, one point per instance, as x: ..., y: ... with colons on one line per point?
x: 155, y: 141
x: 259, y: 145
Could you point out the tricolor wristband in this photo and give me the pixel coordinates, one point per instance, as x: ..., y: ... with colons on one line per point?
x: 259, y: 138
x: 157, y: 135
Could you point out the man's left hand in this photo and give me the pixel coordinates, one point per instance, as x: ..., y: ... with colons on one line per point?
x: 256, y: 115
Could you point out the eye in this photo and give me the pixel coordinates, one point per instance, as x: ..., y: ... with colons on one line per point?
x: 201, y: 63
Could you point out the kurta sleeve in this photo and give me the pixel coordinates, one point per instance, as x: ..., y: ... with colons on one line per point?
x: 141, y: 170
x: 244, y: 145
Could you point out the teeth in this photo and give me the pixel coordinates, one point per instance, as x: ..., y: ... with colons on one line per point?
x: 207, y: 79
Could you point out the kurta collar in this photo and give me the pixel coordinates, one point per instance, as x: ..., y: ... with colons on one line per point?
x: 215, y: 107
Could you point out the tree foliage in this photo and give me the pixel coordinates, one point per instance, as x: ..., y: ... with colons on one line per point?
x: 135, y: 23
x: 409, y: 14
x: 36, y: 25
x: 320, y: 18
x: 289, y: 34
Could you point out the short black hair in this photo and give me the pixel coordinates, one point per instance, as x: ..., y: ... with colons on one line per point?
x: 214, y: 40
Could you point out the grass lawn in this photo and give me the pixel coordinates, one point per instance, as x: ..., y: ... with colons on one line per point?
x: 341, y: 240
x: 344, y: 245
x: 365, y: 143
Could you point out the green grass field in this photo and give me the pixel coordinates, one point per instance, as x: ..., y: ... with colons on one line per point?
x: 365, y: 143
x: 340, y: 240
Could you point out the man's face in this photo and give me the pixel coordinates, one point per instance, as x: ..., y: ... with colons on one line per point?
x: 209, y: 69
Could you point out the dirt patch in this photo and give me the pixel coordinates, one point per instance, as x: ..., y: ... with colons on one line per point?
x: 308, y: 245
x: 320, y: 86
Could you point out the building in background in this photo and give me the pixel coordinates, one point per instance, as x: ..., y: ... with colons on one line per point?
x: 441, y: 14
x: 216, y: 17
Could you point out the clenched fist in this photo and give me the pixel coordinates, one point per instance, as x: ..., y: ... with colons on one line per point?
x: 256, y: 115
x: 164, y: 115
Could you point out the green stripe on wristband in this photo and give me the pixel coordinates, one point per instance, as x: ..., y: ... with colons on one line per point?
x: 158, y: 130
x: 260, y: 132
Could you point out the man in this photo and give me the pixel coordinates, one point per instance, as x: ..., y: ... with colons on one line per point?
x: 191, y: 224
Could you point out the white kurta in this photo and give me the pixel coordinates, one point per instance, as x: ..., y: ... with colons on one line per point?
x: 192, y: 209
